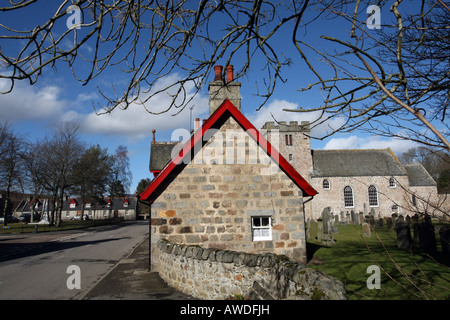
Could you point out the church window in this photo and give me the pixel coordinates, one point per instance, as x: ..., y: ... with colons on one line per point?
x: 348, y: 197
x: 289, y: 139
x: 261, y: 228
x: 326, y: 184
x: 291, y: 157
x: 373, y: 196
x: 392, y: 183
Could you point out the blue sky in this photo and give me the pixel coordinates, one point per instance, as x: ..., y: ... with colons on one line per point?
x: 33, y: 110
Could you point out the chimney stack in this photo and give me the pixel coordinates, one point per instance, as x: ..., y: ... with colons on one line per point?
x: 219, y: 91
x: 197, y: 123
x: 153, y: 131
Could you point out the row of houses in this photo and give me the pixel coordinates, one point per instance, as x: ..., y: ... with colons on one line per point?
x: 126, y: 208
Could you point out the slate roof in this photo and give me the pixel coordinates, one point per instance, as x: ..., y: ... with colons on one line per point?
x: 160, y: 154
x: 351, y: 163
x: 418, y: 176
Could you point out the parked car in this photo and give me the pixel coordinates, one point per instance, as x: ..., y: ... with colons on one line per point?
x: 9, y: 219
x: 26, y: 217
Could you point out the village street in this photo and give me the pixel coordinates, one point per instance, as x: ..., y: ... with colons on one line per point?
x: 53, y: 265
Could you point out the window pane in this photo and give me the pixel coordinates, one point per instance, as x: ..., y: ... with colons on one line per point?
x: 256, y: 222
x: 373, y: 196
x: 265, y: 221
x: 348, y: 196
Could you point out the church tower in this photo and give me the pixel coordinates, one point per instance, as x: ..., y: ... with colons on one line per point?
x: 293, y: 142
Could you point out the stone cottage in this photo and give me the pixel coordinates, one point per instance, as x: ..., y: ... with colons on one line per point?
x: 227, y: 187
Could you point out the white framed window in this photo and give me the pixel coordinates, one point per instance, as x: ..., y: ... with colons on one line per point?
x: 373, y: 196
x: 72, y: 205
x: 326, y: 184
x: 392, y: 183
x: 395, y: 209
x: 291, y: 157
x: 87, y: 205
x: 262, y: 228
x: 348, y: 197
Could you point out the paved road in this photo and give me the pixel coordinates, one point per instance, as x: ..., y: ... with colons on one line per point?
x: 36, y: 266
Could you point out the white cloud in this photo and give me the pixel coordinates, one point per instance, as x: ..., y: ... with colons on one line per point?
x: 30, y: 102
x: 136, y: 122
x: 274, y: 111
x: 397, y: 145
x: 47, y: 105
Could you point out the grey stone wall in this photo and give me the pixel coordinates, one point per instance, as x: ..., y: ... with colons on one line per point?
x: 218, y: 274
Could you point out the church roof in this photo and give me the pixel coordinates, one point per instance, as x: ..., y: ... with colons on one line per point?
x: 418, y: 176
x: 351, y: 163
x: 215, y: 121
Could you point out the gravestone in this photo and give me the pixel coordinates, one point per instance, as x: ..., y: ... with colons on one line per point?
x: 444, y: 235
x: 394, y: 219
x: 336, y: 219
x: 408, y: 220
x: 308, y: 228
x: 334, y: 229
x: 366, y: 230
x: 326, y: 220
x: 399, y: 219
x: 389, y: 223
x: 324, y: 228
x: 319, y: 230
x: 403, y: 236
x: 365, y: 209
x: 379, y: 223
x: 353, y: 217
x: 415, y: 228
x: 313, y: 230
x: 427, y: 238
x: 357, y: 222
x: 361, y: 218
x: 342, y: 216
x: 372, y: 221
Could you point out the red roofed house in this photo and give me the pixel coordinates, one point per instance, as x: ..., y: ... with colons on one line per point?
x: 228, y: 187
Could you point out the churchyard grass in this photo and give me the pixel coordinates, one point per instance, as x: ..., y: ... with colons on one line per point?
x: 404, y: 275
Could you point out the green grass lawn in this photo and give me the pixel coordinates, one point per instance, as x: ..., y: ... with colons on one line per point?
x: 403, y: 275
x: 19, y: 227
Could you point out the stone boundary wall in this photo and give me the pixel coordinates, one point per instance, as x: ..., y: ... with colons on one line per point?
x: 218, y: 274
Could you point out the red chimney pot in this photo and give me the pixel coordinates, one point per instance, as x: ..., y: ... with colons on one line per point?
x: 218, y: 70
x: 230, y: 75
